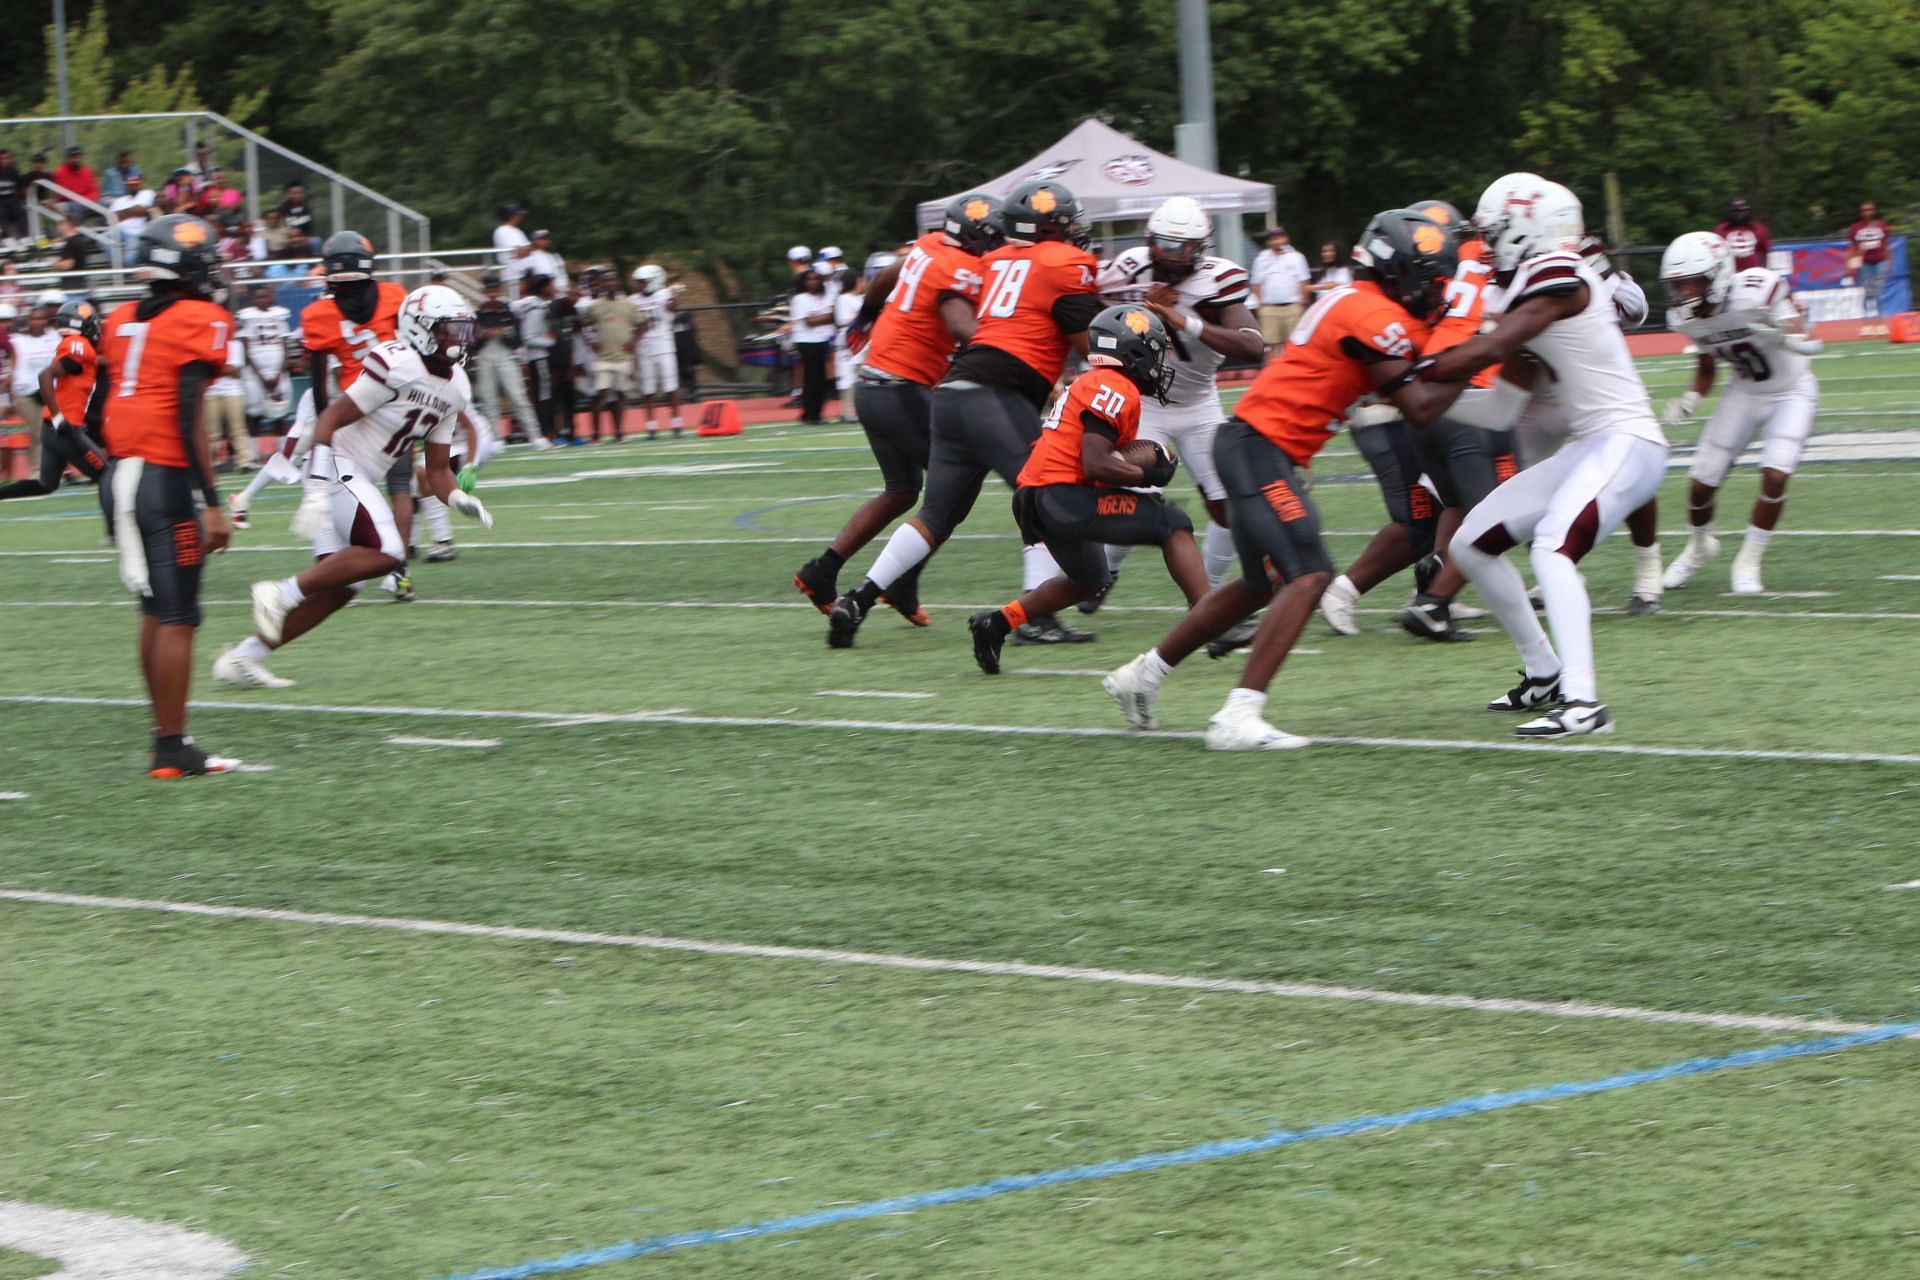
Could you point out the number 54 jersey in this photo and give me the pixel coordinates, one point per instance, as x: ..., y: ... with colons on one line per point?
x: 403, y: 401
x: 326, y: 329
x: 1746, y: 333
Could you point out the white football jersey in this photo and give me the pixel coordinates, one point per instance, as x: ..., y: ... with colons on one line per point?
x: 403, y: 402
x: 657, y: 308
x: 1215, y: 282
x: 1585, y: 356
x: 1746, y: 332
x: 265, y: 330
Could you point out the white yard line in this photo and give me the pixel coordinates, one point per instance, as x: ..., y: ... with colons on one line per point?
x: 402, y: 740
x: 104, y: 1246
x: 1910, y: 884
x: 567, y: 719
x: 988, y: 968
x: 870, y: 693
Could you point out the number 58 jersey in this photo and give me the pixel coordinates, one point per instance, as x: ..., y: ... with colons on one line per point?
x: 403, y: 401
x: 1746, y: 333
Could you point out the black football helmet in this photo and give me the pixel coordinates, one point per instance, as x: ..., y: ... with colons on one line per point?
x: 79, y: 316
x: 1042, y: 209
x: 1412, y: 257
x: 974, y: 222
x: 178, y: 249
x: 1133, y: 340
x: 347, y: 256
x: 1449, y: 216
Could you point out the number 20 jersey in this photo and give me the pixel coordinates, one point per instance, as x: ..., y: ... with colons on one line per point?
x: 1745, y: 333
x: 403, y: 402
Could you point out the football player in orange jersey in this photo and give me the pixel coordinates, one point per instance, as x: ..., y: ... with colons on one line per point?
x: 915, y: 313
x: 72, y: 391
x: 158, y: 354
x: 1353, y: 340
x: 1040, y: 294
x: 1078, y: 492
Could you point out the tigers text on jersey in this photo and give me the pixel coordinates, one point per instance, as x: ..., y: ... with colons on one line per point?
x: 1746, y: 332
x: 657, y: 309
x: 1105, y: 395
x: 1027, y: 309
x: 1585, y: 355
x: 144, y: 361
x: 265, y: 331
x: 324, y: 328
x: 1298, y: 400
x: 403, y: 401
x: 1213, y: 283
x: 909, y: 339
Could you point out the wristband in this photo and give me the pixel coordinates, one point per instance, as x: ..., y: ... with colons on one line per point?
x: 1194, y: 327
x: 1403, y: 379
x: 320, y: 455
x: 211, y: 496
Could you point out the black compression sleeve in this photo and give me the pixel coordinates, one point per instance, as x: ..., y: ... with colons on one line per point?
x: 1073, y: 312
x: 194, y: 379
x: 1091, y: 421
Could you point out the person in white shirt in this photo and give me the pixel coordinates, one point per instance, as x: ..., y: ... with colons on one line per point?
x: 1333, y: 271
x: 33, y: 351
x: 656, y: 356
x: 223, y: 409
x: 1280, y: 275
x: 846, y: 364
x: 263, y: 327
x: 811, y: 320
x: 511, y: 246
x: 543, y: 261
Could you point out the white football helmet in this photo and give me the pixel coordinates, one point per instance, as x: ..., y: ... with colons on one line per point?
x: 1178, y: 235
x: 651, y: 277
x: 436, y: 321
x: 1697, y: 273
x: 1523, y: 215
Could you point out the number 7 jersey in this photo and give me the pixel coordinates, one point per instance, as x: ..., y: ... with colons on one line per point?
x: 403, y: 402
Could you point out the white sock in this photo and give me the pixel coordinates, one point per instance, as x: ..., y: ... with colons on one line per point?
x: 291, y: 592
x: 1344, y: 589
x: 1647, y: 583
x: 1253, y: 700
x: 1697, y: 534
x: 1154, y: 667
x: 1571, y: 615
x: 676, y: 422
x: 905, y: 549
x: 252, y: 647
x: 1755, y: 544
x: 1505, y: 592
x: 1037, y: 565
x: 1117, y: 556
x: 1217, y: 549
x: 261, y: 479
x: 439, y: 523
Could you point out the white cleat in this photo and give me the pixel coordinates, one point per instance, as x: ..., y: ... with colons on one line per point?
x: 1337, y: 608
x: 1689, y: 562
x: 270, y: 610
x: 1746, y: 577
x: 1570, y: 719
x: 1241, y: 728
x: 237, y: 511
x: 1135, y: 695
x: 247, y: 673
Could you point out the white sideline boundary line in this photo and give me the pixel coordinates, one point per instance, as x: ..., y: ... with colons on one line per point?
x: 104, y: 1246
x: 571, y: 719
x: 933, y: 964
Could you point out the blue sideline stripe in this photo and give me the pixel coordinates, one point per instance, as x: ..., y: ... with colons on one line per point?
x: 1196, y: 1154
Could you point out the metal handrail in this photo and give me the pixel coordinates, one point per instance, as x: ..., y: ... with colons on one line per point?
x: 36, y: 209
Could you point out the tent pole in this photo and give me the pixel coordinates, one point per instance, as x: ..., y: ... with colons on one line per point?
x: 1193, y: 137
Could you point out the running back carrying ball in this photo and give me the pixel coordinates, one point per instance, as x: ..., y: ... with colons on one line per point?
x: 1151, y: 456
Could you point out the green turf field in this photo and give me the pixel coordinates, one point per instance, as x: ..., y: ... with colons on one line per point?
x: 613, y: 726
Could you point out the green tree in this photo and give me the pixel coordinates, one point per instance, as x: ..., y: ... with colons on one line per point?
x: 1852, y: 94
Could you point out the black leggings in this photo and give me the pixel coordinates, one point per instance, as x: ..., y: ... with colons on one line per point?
x: 813, y: 385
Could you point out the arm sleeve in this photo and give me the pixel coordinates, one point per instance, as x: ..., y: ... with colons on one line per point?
x: 1099, y: 425
x: 1073, y: 312
x: 1629, y: 299
x: 194, y: 378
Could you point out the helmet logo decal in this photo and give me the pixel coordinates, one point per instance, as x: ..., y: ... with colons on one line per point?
x: 1137, y: 321
x: 85, y: 311
x: 1133, y: 170
x: 1429, y: 238
x: 1043, y: 201
x: 191, y: 232
x: 977, y: 209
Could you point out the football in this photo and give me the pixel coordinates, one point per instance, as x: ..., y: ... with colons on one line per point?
x: 1142, y: 453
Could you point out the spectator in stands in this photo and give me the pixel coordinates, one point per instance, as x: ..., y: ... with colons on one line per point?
x: 542, y: 260
x: 129, y: 218
x: 510, y: 245
x: 536, y: 327
x: 294, y: 213
x: 203, y: 165
x: 495, y: 364
x: 177, y: 196
x: 76, y: 249
x: 37, y: 172
x: 1867, y: 250
x: 1333, y: 272
x: 569, y: 357
x: 77, y: 177
x: 217, y: 201
x: 13, y: 202
x: 233, y: 240
x: 613, y: 328
x: 1747, y: 238
x: 113, y: 183
x: 271, y: 233
x: 846, y: 309
x: 286, y: 265
x: 138, y: 193
x: 1279, y: 276
x: 811, y: 312
x: 10, y: 287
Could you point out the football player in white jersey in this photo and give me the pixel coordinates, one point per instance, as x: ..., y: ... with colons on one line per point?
x: 265, y: 327
x: 1747, y: 320
x: 410, y: 389
x: 1556, y: 309
x: 473, y: 446
x: 1202, y: 300
x: 656, y: 356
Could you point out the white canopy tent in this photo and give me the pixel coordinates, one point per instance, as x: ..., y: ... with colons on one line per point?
x: 1119, y: 180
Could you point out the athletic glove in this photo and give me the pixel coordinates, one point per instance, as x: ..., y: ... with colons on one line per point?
x: 1159, y: 472
x: 1680, y: 408
x: 468, y: 479
x: 316, y: 502
x: 471, y: 507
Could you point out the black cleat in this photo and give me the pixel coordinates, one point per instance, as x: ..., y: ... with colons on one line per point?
x: 1642, y: 607
x: 903, y: 597
x: 1432, y: 620
x: 1238, y: 636
x: 1425, y: 571
x: 1531, y: 694
x: 843, y: 620
x: 816, y: 584
x: 1049, y: 631
x: 1092, y: 606
x: 186, y: 760
x: 987, y: 640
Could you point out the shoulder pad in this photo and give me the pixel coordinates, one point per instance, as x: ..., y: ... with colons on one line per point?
x: 1547, y: 274
x: 1228, y: 281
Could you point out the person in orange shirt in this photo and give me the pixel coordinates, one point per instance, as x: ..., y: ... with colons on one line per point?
x: 1350, y: 342
x: 1077, y: 493
x: 1038, y: 298
x: 157, y: 355
x: 72, y: 392
x: 914, y: 314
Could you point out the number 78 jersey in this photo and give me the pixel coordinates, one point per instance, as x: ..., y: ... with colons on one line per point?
x: 1746, y: 333
x: 403, y: 402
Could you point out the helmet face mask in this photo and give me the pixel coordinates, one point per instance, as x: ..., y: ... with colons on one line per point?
x: 1697, y: 273
x: 437, y: 322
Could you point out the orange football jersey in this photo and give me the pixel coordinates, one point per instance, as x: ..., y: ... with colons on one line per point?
x: 910, y: 340
x: 143, y: 361
x: 1106, y: 393
x: 72, y: 392
x: 1298, y: 400
x: 324, y: 328
x: 1466, y: 307
x: 1023, y: 282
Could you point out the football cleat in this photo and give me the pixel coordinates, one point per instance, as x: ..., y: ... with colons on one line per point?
x: 1133, y: 692
x: 1687, y: 563
x: 843, y: 620
x: 1425, y: 571
x: 398, y: 585
x: 987, y: 641
x: 1570, y: 719
x: 903, y: 597
x: 270, y: 610
x: 1049, y: 631
x: 185, y: 761
x: 1092, y: 606
x: 1532, y: 693
x: 1746, y: 576
x: 441, y: 552
x: 247, y: 673
x: 1337, y: 608
x: 1237, y: 636
x: 1432, y: 620
x: 1242, y: 728
x: 1642, y: 606
x: 816, y: 584
x: 237, y: 511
